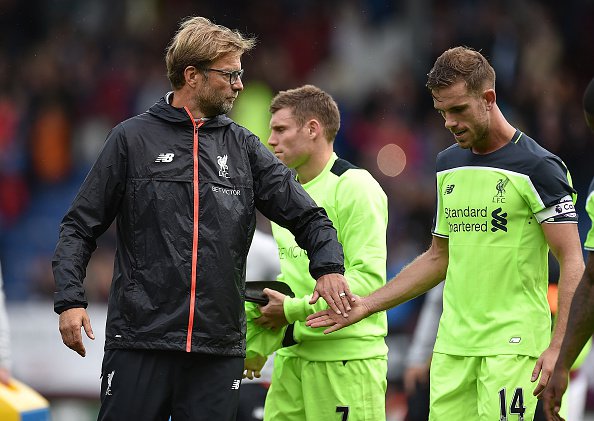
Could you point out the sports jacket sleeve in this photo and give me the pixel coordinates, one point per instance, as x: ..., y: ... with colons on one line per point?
x: 283, y: 200
x: 91, y: 213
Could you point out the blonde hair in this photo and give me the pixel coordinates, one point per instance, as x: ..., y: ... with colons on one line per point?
x: 199, y: 42
x: 309, y: 102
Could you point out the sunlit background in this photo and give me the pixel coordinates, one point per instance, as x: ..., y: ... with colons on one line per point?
x: 72, y: 69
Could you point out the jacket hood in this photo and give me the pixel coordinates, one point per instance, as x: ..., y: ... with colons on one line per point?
x: 164, y: 110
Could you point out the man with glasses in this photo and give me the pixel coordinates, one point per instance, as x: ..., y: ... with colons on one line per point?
x: 183, y: 181
x: 234, y: 75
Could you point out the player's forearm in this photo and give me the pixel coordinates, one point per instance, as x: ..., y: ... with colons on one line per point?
x: 418, y: 277
x: 571, y: 270
x: 580, y: 325
x: 298, y: 308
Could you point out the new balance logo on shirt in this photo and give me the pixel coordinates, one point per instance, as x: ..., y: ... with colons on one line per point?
x: 165, y: 157
x: 235, y: 385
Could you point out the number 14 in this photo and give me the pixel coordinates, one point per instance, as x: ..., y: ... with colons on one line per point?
x: 517, y: 405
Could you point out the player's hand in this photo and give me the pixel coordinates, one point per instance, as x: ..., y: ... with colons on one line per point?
x: 252, y: 367
x: 334, y: 321
x: 4, y: 376
x: 552, y: 394
x: 273, y: 313
x: 413, y: 375
x: 333, y: 288
x: 71, y: 321
x: 544, y: 367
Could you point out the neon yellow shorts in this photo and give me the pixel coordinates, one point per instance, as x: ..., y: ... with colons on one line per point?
x: 482, y: 388
x: 303, y: 390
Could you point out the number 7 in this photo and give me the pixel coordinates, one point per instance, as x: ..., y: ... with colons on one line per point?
x: 345, y: 412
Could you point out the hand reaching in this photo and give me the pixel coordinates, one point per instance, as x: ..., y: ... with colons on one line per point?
x: 273, y: 313
x: 334, y: 289
x: 334, y: 321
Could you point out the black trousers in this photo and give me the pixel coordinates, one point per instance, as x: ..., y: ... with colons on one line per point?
x: 142, y: 385
x: 251, y: 402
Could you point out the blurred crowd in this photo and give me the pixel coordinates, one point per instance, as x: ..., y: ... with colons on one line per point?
x: 72, y: 69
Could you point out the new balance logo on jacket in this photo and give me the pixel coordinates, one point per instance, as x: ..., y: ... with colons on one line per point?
x: 165, y: 157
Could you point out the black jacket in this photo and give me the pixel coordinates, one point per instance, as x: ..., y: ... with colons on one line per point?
x: 184, y: 227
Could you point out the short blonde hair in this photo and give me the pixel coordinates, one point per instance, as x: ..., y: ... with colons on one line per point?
x: 199, y: 42
x: 309, y: 102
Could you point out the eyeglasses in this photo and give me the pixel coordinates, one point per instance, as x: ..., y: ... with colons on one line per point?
x: 233, y: 76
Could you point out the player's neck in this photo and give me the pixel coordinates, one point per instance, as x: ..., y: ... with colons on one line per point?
x: 182, y: 98
x: 500, y: 134
x: 314, y: 166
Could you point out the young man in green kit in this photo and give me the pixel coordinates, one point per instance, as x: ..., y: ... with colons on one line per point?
x: 312, y: 380
x: 502, y: 201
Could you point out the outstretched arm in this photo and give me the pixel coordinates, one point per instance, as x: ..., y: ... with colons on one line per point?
x: 283, y: 200
x: 426, y: 271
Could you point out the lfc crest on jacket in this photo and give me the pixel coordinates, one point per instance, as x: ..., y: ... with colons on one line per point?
x: 223, y: 167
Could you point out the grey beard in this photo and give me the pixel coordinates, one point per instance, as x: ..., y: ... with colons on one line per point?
x: 216, y: 109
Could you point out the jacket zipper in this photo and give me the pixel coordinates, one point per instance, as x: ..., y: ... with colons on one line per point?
x: 195, y: 231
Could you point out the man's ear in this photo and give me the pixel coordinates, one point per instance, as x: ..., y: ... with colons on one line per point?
x: 191, y: 75
x: 314, y: 128
x: 490, y: 97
